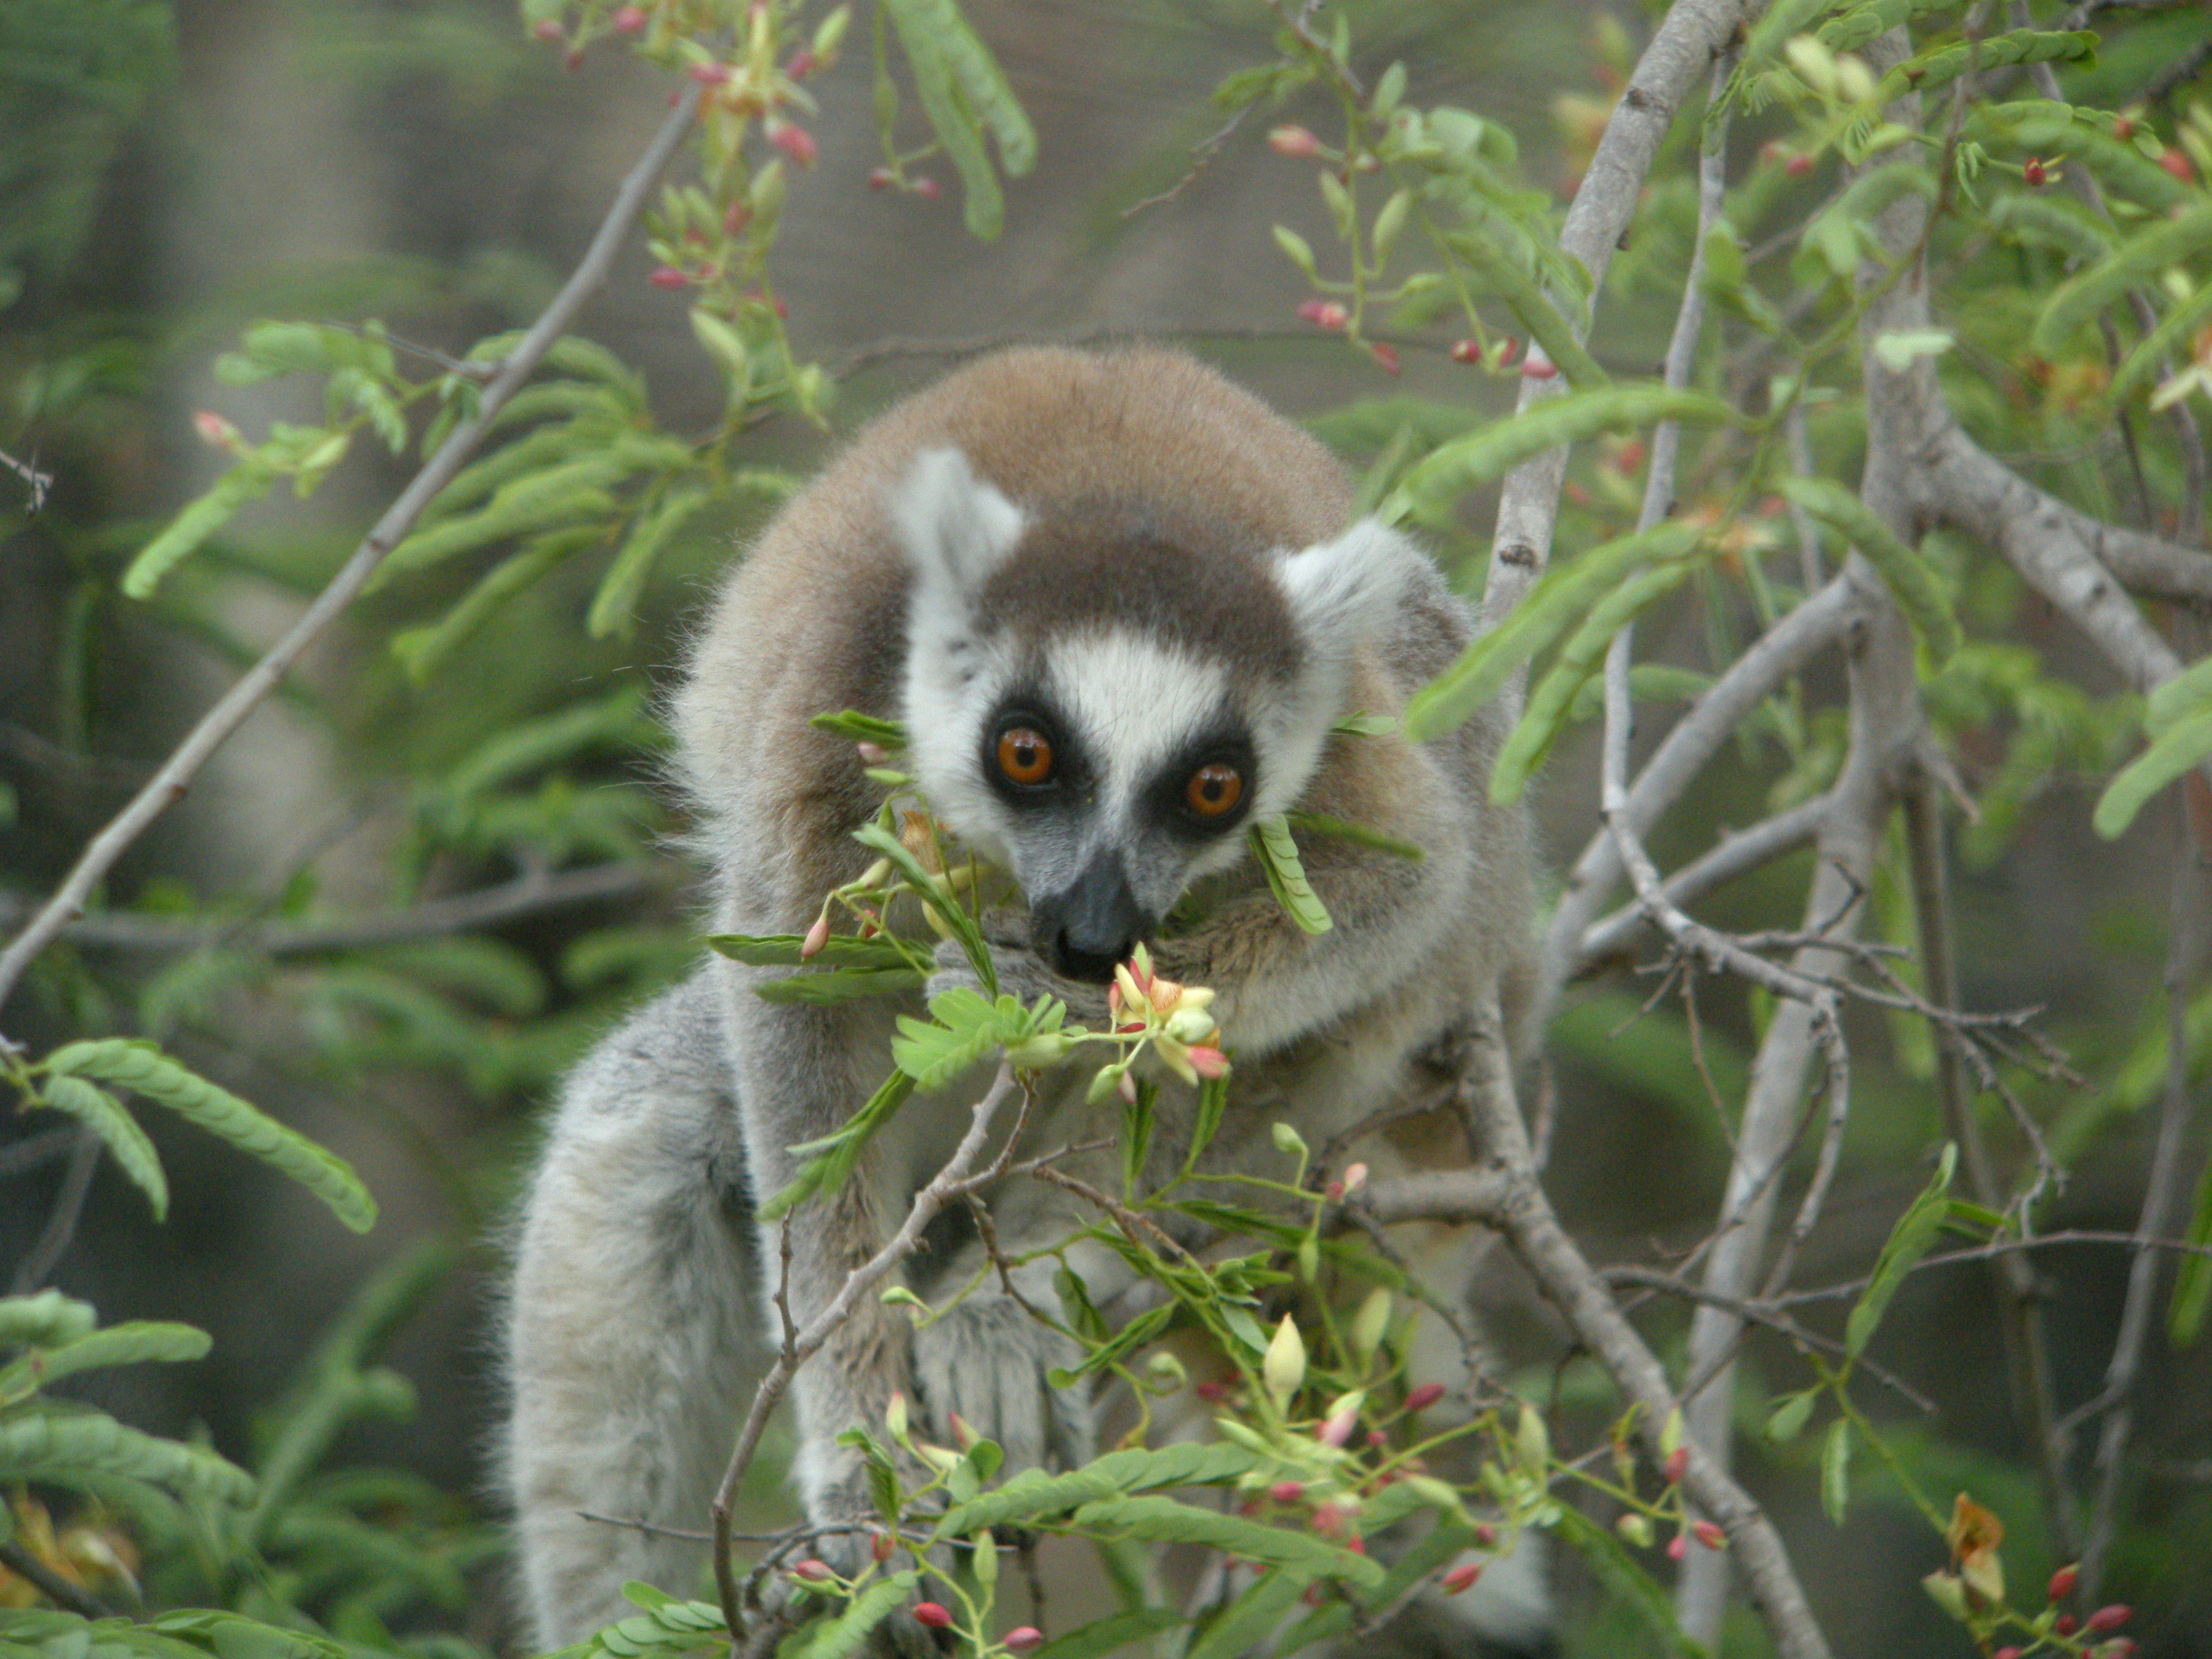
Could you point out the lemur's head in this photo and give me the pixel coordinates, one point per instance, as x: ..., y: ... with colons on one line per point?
x: 1100, y: 700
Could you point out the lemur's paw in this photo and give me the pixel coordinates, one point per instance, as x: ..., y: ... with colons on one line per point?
x: 987, y: 1360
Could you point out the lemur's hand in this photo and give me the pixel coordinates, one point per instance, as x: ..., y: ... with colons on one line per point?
x: 987, y: 1360
x: 1022, y: 973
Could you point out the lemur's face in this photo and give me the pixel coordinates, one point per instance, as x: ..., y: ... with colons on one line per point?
x: 1103, y: 712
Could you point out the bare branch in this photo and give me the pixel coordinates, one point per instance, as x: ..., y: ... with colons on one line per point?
x: 488, y: 907
x: 231, y: 709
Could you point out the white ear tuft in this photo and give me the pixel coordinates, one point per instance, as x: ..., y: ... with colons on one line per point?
x: 956, y: 528
x: 1343, y: 592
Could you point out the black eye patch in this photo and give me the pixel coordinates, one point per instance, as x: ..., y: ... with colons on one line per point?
x: 1031, y: 756
x: 1207, y: 789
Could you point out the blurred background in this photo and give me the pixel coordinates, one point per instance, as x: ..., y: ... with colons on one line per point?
x: 172, y: 172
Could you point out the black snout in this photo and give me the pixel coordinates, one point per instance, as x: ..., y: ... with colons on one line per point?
x: 1088, y: 927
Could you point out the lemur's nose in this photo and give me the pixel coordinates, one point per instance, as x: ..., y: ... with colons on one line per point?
x: 1091, y: 925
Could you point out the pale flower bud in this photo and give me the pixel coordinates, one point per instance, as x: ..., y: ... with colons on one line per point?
x: 1284, y: 1367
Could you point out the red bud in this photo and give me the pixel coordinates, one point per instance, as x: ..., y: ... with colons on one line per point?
x: 1355, y: 1544
x: 1209, y: 1390
x: 813, y: 1572
x: 547, y: 29
x: 1485, y: 1534
x: 1677, y: 1547
x: 668, y: 277
x: 2120, y: 1647
x: 1323, y: 314
x: 627, y: 19
x: 1023, y: 1638
x: 929, y: 1614
x: 1538, y: 365
x: 1466, y: 351
x: 573, y: 59
x: 1387, y: 355
x: 1424, y: 1396
x: 879, y: 177
x: 1798, y: 166
x: 1333, y: 1191
x: 803, y: 64
x: 880, y: 1546
x: 1460, y: 1577
x: 2123, y: 128
x: 1678, y: 1462
x: 2104, y: 1619
x: 1376, y: 1437
x: 2062, y: 1582
x: 2178, y: 164
x: 1207, y: 1060
x: 1287, y: 1491
x: 1292, y: 141
x: 2005, y: 1653
x: 2031, y: 172
x: 709, y: 75
x: 1708, y: 1534
x: 817, y: 937
x: 797, y: 143
x: 2063, y: 1624
x: 736, y: 217
x: 1328, y: 1520
x: 1339, y: 1428
x: 927, y: 188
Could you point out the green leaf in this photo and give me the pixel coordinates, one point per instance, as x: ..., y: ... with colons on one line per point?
x: 142, y: 1068
x: 1836, y: 1469
x: 612, y: 605
x: 1908, y: 1242
x: 1931, y: 70
x: 44, y: 1321
x: 2138, y: 262
x: 781, y: 950
x: 1494, y: 268
x: 1903, y: 569
x: 2192, y: 1275
x: 420, y: 650
x: 1624, y: 1575
x: 1278, y: 853
x: 963, y: 93
x: 1164, y: 1521
x: 137, y: 1342
x: 835, y: 1638
x: 821, y: 987
x: 861, y: 728
x: 1790, y: 1418
x: 2175, y: 751
x: 1562, y: 597
x: 248, y: 481
x: 1319, y: 823
x: 967, y: 1027
x: 1245, y: 1622
x: 1552, y: 704
x: 100, y: 1111
x: 1033, y: 1495
x: 2159, y: 345
x: 832, y: 1157
x: 1116, y: 1633
x: 877, y: 839
x: 67, y: 1451
x: 1364, y: 725
x: 1213, y: 1101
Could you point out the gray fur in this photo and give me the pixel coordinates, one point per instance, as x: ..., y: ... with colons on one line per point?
x: 1156, y: 554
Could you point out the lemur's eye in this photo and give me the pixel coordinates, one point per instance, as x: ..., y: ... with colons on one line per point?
x: 1213, y: 790
x: 1024, y: 754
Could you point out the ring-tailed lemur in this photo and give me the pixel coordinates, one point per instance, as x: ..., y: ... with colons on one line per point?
x: 1117, y: 604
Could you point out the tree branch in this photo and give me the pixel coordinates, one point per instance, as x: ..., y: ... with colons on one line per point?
x: 184, y: 763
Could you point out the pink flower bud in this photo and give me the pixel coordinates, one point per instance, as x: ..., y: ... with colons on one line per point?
x: 1023, y: 1638
x: 668, y: 276
x: 2177, y: 164
x: 879, y: 177
x: 2033, y: 174
x: 1384, y: 355
x: 1460, y: 1577
x: 2005, y: 1653
x: 1293, y: 140
x: 1538, y: 365
x: 872, y: 754
x: 2062, y: 1582
x: 2120, y: 1647
x: 1355, y: 1544
x: 813, y: 1572
x: 1207, y: 1061
x: 1339, y: 1428
x: 1485, y: 1534
x: 1466, y: 351
x: 1677, y: 1547
x: 2104, y: 1619
x: 961, y: 1434
x: 1708, y: 1534
x: 927, y: 188
x: 817, y: 937
x: 1424, y: 1396
x: 736, y: 217
x: 795, y: 142
x: 214, y: 430
x: 1355, y: 1177
x: 880, y: 1545
x: 1376, y: 1437
x: 2063, y: 1624
x: 1287, y: 1491
x: 627, y: 19
x: 803, y: 64
x: 573, y: 59
x: 1333, y: 1191
x: 1209, y: 1390
x: 1323, y: 314
x: 1328, y: 1520
x: 1678, y: 1460
x: 709, y: 75
x: 929, y: 1614
x: 1798, y: 165
x: 546, y: 29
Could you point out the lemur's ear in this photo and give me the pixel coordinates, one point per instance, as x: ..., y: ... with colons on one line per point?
x: 1342, y: 593
x: 955, y: 527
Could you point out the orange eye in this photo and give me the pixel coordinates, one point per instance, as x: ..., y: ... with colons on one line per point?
x: 1024, y: 754
x: 1213, y: 790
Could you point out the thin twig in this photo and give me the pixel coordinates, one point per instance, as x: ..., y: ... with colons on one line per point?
x: 184, y: 763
